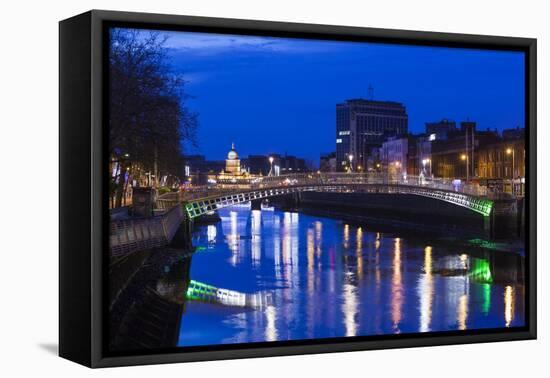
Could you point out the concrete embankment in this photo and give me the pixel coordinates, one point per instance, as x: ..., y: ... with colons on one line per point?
x: 147, y: 295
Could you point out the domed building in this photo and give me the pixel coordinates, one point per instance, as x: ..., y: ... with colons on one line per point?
x: 233, y: 163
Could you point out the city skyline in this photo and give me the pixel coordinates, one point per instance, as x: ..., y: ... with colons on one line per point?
x: 393, y: 233
x: 279, y: 87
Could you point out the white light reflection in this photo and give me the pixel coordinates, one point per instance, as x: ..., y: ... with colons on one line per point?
x: 211, y: 233
x: 397, y: 297
x: 350, y: 308
x: 359, y: 252
x: 277, y: 247
x: 318, y: 236
x: 233, y: 237
x: 310, y: 281
x: 508, y: 305
x: 346, y: 236
x: 462, y: 312
x: 256, y: 247
x: 270, y: 327
x: 426, y: 291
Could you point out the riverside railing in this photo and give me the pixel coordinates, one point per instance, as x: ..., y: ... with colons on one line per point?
x: 136, y: 234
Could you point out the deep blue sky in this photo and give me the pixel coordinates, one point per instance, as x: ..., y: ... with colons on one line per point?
x: 277, y: 95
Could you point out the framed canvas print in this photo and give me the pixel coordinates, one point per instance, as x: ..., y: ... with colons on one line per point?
x: 233, y: 188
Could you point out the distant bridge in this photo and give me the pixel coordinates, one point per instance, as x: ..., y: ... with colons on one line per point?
x: 202, y: 200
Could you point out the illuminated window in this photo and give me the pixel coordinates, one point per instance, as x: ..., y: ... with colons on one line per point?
x: 338, y: 140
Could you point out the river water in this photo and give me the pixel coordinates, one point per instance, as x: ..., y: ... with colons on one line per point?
x: 319, y: 277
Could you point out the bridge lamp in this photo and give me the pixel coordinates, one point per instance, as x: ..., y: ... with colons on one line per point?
x: 463, y: 157
x: 350, y: 157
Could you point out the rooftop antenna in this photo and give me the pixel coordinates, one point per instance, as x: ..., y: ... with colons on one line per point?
x: 371, y: 92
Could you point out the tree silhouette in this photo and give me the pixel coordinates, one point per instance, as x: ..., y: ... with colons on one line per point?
x: 149, y: 119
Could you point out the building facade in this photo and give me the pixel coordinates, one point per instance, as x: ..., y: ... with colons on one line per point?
x: 233, y: 163
x: 440, y: 129
x: 362, y: 126
x: 394, y: 156
x: 327, y: 162
x: 504, y: 159
x: 292, y: 164
x: 457, y: 156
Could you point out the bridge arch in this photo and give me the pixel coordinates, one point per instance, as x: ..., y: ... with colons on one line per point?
x: 200, y: 206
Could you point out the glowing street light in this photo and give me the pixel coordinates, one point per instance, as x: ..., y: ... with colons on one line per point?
x: 350, y: 157
x: 424, y: 163
x: 511, y: 151
x: 271, y: 159
x: 464, y: 157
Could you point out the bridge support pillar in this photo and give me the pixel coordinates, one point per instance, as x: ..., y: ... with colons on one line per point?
x: 256, y: 204
x: 504, y: 219
x: 183, y: 236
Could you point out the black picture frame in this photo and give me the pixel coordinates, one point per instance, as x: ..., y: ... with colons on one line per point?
x: 83, y: 227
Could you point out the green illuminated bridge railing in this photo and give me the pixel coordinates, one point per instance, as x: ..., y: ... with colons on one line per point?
x: 223, y: 193
x: 199, y: 291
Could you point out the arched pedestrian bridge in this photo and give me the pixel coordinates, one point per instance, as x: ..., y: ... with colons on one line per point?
x: 202, y: 200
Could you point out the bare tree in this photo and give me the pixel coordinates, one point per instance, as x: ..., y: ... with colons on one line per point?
x: 149, y: 119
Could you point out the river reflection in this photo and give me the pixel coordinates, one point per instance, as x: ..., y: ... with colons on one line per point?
x: 327, y: 278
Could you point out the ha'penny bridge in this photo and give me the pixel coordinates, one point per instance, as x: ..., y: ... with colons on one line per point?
x: 230, y: 192
x: 129, y: 235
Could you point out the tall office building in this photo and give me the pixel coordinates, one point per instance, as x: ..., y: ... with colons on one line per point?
x: 362, y: 126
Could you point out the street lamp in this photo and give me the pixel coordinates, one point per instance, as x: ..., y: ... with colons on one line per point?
x: 464, y: 157
x: 350, y: 157
x: 511, y: 151
x: 424, y: 163
x: 271, y: 165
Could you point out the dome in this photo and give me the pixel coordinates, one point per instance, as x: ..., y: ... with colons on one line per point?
x: 232, y: 154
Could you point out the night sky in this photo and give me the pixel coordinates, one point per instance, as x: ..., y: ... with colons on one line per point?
x: 278, y: 95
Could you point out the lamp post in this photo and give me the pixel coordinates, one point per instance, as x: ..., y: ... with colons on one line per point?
x: 464, y: 157
x: 350, y: 157
x: 511, y: 151
x: 424, y: 163
x: 398, y: 170
x: 271, y: 166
